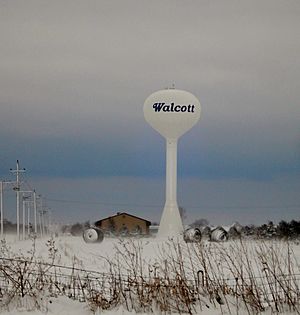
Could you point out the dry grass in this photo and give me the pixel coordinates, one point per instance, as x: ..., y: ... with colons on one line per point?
x: 235, y: 277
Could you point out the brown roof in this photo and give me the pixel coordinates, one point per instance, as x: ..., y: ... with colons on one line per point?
x: 122, y: 213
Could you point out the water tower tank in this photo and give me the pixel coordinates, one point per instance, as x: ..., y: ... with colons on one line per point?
x: 172, y: 113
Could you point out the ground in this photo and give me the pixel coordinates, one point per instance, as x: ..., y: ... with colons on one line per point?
x: 119, y: 256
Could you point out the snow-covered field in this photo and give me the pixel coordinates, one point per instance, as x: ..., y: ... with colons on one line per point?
x: 224, y: 269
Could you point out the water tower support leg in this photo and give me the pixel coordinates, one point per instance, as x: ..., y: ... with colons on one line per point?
x: 171, y: 223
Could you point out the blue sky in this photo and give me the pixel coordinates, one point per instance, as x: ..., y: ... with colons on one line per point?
x: 73, y: 79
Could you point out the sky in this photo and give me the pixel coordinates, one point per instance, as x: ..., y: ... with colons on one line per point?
x: 73, y: 79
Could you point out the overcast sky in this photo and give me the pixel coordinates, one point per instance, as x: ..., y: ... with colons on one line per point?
x: 73, y: 79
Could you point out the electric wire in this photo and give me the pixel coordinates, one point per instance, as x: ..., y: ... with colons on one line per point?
x: 160, y: 205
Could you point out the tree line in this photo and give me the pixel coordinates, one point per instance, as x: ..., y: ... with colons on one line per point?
x: 283, y: 229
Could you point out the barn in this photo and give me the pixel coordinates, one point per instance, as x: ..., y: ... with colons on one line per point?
x: 124, y: 224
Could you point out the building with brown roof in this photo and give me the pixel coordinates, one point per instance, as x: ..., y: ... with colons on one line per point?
x: 124, y: 224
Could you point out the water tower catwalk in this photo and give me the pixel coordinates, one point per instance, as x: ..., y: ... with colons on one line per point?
x: 172, y: 113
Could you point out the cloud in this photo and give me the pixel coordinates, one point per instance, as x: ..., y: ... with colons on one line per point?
x: 74, y: 76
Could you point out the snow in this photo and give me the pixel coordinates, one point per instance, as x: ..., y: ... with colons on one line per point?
x: 60, y: 305
x: 98, y: 257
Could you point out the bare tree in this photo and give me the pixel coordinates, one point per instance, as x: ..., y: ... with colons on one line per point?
x: 200, y: 222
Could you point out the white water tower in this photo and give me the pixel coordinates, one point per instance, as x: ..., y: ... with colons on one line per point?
x: 172, y: 113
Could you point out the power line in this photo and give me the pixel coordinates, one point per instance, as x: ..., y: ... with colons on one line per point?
x: 160, y: 205
x: 99, y: 203
x: 28, y: 184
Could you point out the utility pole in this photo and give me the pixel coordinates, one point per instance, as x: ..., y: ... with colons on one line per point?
x: 35, y: 212
x: 2, y: 183
x: 28, y: 218
x: 17, y: 171
x: 23, y: 216
x: 46, y: 220
x: 24, y: 201
x: 41, y: 216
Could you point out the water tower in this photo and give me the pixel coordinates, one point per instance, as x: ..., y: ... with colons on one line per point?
x: 172, y: 113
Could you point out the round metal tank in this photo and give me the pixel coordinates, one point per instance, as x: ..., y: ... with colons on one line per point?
x: 192, y: 235
x: 218, y: 235
x: 93, y: 235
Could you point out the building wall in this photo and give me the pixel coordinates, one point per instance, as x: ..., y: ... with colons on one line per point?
x: 122, y: 223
